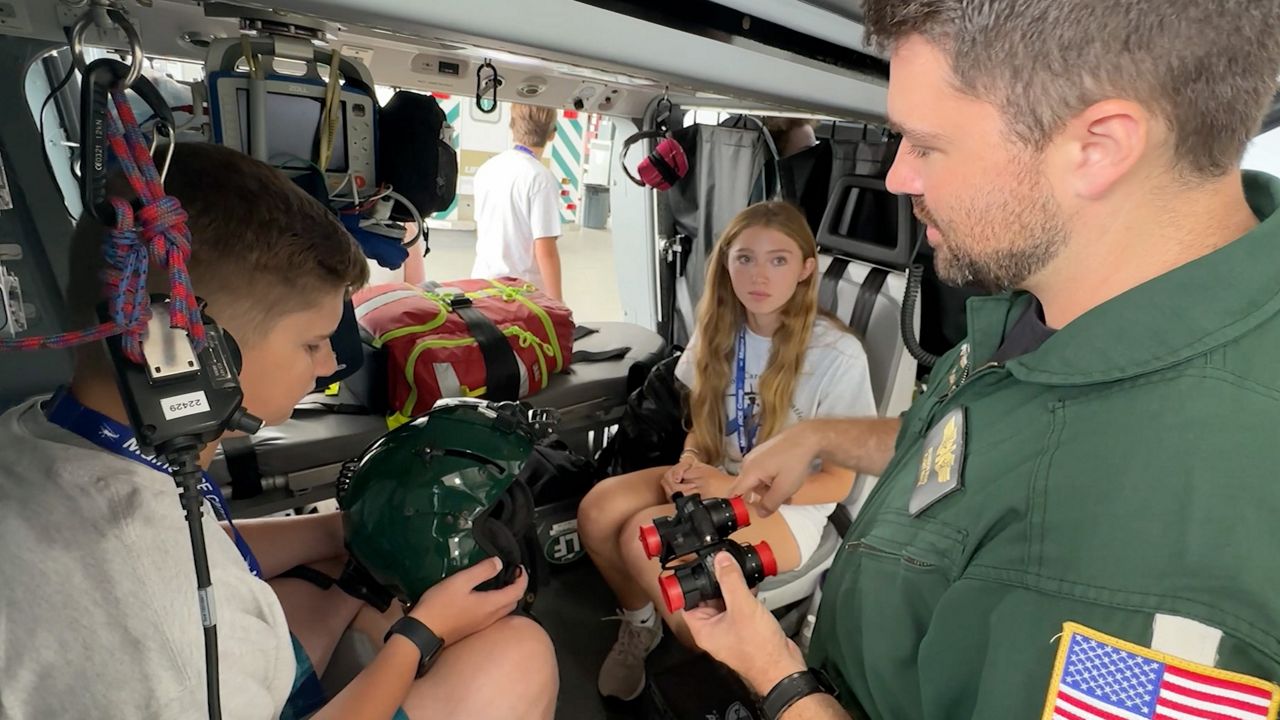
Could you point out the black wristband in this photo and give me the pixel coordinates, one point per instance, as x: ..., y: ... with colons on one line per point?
x: 429, y: 644
x: 794, y: 688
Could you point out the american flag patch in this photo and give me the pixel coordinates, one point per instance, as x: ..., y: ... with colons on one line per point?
x: 1097, y: 677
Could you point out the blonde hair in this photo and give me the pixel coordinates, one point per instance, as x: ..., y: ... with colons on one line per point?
x: 532, y: 126
x: 720, y: 319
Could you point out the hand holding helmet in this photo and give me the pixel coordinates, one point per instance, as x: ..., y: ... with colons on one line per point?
x: 454, y: 609
x: 442, y: 503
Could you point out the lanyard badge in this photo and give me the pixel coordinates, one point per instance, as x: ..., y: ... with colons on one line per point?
x: 746, y: 440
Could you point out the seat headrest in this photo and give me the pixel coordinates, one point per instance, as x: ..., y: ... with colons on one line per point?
x: 864, y: 221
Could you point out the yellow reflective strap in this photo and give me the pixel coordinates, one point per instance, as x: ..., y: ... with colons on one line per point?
x: 553, y: 346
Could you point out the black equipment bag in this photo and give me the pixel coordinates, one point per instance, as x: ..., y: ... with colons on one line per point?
x: 414, y: 154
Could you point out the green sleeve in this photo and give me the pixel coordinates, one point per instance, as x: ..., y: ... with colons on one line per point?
x: 991, y: 649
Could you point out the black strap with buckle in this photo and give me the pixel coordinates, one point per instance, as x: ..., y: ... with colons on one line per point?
x: 355, y: 581
x: 501, y: 367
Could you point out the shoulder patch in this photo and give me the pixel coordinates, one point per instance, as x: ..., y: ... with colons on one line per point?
x: 1098, y: 676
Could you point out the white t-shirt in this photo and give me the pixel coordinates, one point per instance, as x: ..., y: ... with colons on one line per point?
x: 834, y: 382
x: 517, y: 201
x: 98, y: 610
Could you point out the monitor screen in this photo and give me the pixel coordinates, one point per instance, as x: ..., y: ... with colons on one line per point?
x: 292, y: 124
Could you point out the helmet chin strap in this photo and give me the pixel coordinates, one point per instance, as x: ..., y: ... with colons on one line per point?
x: 355, y: 581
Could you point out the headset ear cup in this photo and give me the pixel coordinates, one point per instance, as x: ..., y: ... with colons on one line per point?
x: 626, y: 147
x: 494, y: 538
x: 676, y: 157
x: 520, y: 502
x: 232, y: 347
x: 535, y: 563
x: 501, y: 509
x: 665, y: 166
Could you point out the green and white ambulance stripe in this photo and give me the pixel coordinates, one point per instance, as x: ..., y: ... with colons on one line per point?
x: 566, y: 164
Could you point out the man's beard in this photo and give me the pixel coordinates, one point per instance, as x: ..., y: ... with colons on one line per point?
x: 999, y: 245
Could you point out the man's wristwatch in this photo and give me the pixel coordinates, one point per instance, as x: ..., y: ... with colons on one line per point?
x: 793, y: 688
x: 429, y: 644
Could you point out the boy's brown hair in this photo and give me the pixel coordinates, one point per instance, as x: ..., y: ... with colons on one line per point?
x: 261, y: 248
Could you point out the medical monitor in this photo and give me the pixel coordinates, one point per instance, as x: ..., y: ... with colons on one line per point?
x: 292, y: 109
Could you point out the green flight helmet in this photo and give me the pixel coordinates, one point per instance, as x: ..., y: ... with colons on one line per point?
x: 441, y: 493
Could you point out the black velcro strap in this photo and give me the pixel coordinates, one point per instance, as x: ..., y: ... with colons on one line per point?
x: 242, y: 466
x: 355, y: 581
x: 841, y: 519
x: 829, y: 287
x: 664, y: 168
x: 581, y: 356
x: 501, y: 367
x: 359, y: 583
x: 306, y: 573
x: 868, y: 293
x: 685, y: 243
x: 581, y: 331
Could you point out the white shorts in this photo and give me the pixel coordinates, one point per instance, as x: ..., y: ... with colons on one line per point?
x: 806, y: 523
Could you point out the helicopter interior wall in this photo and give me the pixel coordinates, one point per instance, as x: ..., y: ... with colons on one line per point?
x: 34, y: 232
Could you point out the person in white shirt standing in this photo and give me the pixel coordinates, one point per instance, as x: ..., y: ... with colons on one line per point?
x: 518, y: 206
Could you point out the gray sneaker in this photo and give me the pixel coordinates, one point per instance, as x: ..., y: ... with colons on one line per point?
x: 622, y: 675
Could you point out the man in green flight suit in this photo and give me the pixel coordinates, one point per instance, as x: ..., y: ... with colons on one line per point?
x: 1082, y: 510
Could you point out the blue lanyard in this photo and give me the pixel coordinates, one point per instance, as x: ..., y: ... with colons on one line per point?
x: 745, y: 441
x: 526, y: 151
x: 67, y: 412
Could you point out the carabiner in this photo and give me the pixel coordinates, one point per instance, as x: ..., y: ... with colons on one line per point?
x: 135, y: 43
x: 100, y: 77
x: 163, y: 129
x: 662, y: 115
x: 490, y: 85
